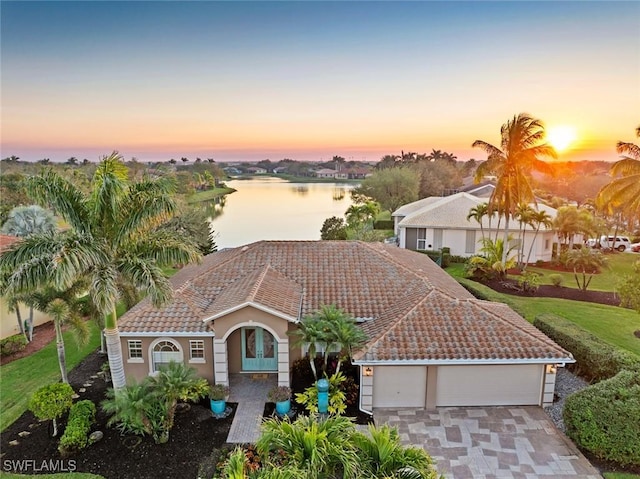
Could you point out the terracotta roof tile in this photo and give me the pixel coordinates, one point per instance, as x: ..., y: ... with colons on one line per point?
x: 6, y: 241
x: 413, y: 309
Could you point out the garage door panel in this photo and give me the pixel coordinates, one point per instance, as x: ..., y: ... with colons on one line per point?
x: 491, y: 385
x: 399, y: 386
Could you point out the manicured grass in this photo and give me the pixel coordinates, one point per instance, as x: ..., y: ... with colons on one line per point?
x: 620, y: 475
x: 610, y: 323
x: 64, y: 475
x: 618, y: 266
x: 209, y: 195
x: 21, y: 378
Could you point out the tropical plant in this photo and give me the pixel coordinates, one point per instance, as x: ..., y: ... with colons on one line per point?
x: 337, y: 398
x: 320, y: 448
x: 113, y: 242
x: 218, y: 392
x: 538, y: 219
x: 333, y: 228
x: 629, y: 289
x: 478, y: 213
x: 28, y: 220
x: 382, y: 454
x: 51, y: 402
x: 520, y: 152
x: 524, y: 214
x: 624, y: 189
x: 587, y: 262
x: 491, y: 263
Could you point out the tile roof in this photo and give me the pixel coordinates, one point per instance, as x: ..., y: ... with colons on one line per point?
x: 451, y: 212
x: 6, y: 241
x: 418, y: 311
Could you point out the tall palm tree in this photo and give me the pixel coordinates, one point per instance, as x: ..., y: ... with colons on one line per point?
x: 539, y: 219
x: 520, y: 152
x: 113, y: 242
x: 523, y: 214
x: 624, y: 189
x: 478, y: 213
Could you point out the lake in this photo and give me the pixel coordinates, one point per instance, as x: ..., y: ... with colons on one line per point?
x: 265, y: 208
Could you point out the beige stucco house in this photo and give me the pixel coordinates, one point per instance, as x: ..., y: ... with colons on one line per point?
x: 430, y: 342
x: 441, y: 221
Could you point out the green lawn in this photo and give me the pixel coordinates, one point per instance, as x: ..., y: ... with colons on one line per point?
x: 610, y: 323
x: 21, y: 378
x: 209, y: 195
x: 64, y: 475
x: 618, y: 265
x: 620, y: 475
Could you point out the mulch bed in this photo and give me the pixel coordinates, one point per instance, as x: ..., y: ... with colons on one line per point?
x: 42, y: 335
x: 510, y: 286
x: 195, y: 436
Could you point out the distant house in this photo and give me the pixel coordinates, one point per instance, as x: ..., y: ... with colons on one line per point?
x: 436, y: 222
x: 9, y: 319
x: 430, y: 342
x: 358, y: 173
x: 256, y: 170
x: 326, y: 173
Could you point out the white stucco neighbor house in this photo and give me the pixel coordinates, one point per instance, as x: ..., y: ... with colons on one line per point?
x: 435, y: 222
x: 431, y: 343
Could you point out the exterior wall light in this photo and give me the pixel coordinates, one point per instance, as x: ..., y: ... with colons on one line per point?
x: 368, y: 371
x: 551, y: 368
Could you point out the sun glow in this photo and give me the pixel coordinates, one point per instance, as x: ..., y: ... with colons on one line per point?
x: 561, y: 137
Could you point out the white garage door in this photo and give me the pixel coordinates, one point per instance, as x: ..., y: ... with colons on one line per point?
x: 399, y: 386
x: 499, y: 385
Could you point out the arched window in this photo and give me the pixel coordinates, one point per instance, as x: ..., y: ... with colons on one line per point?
x: 163, y: 352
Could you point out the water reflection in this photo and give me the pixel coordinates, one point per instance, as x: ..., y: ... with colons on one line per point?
x: 271, y: 208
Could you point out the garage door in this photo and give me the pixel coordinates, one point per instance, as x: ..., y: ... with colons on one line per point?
x: 399, y: 386
x: 499, y: 385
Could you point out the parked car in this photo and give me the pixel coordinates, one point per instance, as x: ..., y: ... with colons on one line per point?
x: 620, y: 243
x: 635, y: 247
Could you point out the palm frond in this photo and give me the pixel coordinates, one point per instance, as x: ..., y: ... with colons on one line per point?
x: 630, y: 149
x: 147, y: 276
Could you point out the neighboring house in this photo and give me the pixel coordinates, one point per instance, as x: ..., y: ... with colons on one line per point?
x: 256, y: 170
x: 326, y: 173
x: 357, y: 173
x: 436, y: 222
x: 9, y: 320
x: 430, y: 342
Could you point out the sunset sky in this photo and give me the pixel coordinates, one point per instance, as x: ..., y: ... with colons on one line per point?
x: 309, y: 80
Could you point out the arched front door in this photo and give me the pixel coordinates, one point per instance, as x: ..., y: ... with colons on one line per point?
x: 259, y: 350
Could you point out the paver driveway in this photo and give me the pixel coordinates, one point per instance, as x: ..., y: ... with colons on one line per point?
x: 490, y: 442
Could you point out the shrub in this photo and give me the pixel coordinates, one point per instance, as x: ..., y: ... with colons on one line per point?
x: 383, y: 225
x: 603, y: 418
x: 337, y: 398
x: 475, y: 292
x: 12, y: 344
x: 436, y: 255
x: 595, y: 359
x: 529, y: 281
x: 454, y: 258
x: 81, y: 416
x: 51, y: 402
x: 279, y: 394
x: 556, y: 279
x: 218, y: 392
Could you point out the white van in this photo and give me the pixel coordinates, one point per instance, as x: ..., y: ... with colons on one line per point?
x: 620, y: 243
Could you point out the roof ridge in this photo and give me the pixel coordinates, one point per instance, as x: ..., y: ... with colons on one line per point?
x: 258, y: 283
x: 546, y: 339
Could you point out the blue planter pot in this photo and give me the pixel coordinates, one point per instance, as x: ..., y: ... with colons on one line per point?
x: 283, y: 407
x: 218, y: 407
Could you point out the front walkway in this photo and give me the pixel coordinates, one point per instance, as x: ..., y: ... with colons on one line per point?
x: 490, y: 442
x: 250, y: 392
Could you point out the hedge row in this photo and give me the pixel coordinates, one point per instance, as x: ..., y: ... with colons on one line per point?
x: 595, y: 359
x: 12, y: 344
x: 605, y: 418
x: 383, y: 225
x: 436, y: 255
x: 75, y: 437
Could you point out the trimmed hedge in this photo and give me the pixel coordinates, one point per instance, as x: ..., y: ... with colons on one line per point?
x: 383, y: 225
x: 604, y: 418
x: 595, y: 359
x: 435, y: 256
x: 12, y: 344
x: 81, y: 416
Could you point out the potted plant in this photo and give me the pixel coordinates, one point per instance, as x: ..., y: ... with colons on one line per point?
x: 281, y: 395
x: 218, y: 394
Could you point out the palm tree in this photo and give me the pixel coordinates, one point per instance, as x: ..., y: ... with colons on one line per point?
x: 523, y: 214
x: 538, y: 218
x: 113, y: 242
x: 477, y: 213
x: 64, y: 308
x: 587, y: 262
x: 624, y: 189
x: 383, y: 455
x: 309, y: 333
x: 520, y: 151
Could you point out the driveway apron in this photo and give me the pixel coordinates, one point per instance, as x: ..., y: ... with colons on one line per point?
x: 490, y: 442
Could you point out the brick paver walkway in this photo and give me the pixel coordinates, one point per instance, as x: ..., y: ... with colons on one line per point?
x: 491, y: 442
x: 250, y: 392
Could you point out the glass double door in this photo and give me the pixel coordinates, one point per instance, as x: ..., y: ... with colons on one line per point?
x: 259, y: 350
